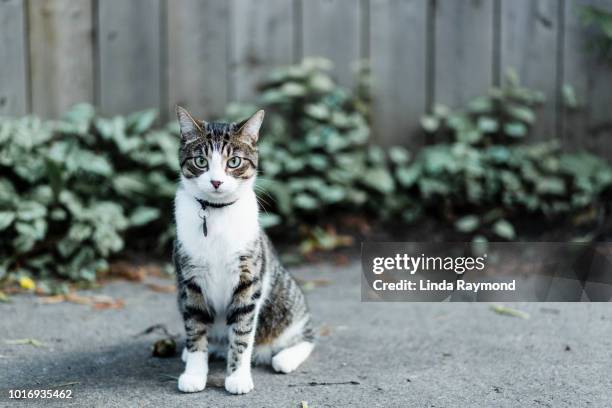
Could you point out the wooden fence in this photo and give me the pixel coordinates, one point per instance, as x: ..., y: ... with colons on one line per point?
x: 125, y: 55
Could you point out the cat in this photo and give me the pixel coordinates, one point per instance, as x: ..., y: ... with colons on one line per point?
x: 236, y: 299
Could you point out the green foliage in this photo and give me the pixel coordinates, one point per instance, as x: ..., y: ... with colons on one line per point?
x: 602, y: 21
x: 72, y: 191
x: 480, y: 175
x: 315, y: 154
x: 503, y: 116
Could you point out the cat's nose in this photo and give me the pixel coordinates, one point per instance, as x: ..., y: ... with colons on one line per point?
x: 216, y: 183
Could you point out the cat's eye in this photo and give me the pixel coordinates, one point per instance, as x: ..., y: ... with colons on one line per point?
x: 234, y: 162
x: 200, y: 162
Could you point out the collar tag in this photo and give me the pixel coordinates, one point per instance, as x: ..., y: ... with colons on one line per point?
x: 204, y: 211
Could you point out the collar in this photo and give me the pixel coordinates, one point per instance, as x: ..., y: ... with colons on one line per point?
x: 206, y: 204
x: 204, y: 211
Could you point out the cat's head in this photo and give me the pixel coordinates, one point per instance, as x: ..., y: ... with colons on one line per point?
x: 218, y: 160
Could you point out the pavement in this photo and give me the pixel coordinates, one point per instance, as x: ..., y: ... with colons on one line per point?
x: 368, y: 355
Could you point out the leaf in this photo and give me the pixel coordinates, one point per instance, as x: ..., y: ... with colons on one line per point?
x: 407, y: 176
x: 30, y: 210
x: 80, y: 113
x: 143, y: 215
x: 317, y: 111
x: 27, y: 283
x: 399, y: 155
x: 504, y: 229
x: 28, y: 341
x: 305, y: 201
x: 268, y: 220
x: 521, y: 113
x: 380, y: 180
x: 569, y: 97
x: 515, y: 129
x: 140, y: 122
x: 430, y: 123
x: 481, y: 104
x: 467, y: 224
x: 503, y: 310
x: 4, y: 298
x: 6, y: 219
x: 487, y: 124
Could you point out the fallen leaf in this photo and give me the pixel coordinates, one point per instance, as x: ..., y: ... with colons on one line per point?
x: 161, y: 288
x: 81, y: 300
x: 50, y: 300
x: 164, y: 348
x: 503, y: 310
x: 325, y: 331
x: 115, y: 304
x: 308, y: 285
x: 27, y: 283
x: 21, y: 342
x: 341, y: 260
x: 126, y: 270
x: 4, y: 298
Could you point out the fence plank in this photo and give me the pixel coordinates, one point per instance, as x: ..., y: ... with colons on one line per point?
x: 61, y: 56
x: 529, y: 46
x: 262, y: 37
x: 591, y: 126
x: 198, y: 44
x: 129, y: 44
x: 463, y: 50
x: 13, y: 78
x: 331, y: 29
x: 399, y: 70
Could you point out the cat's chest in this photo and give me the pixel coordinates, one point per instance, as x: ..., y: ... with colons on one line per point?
x: 214, y: 257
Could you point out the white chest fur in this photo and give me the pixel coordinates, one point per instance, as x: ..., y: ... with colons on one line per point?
x: 231, y: 230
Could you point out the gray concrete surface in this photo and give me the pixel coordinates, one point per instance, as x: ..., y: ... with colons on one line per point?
x: 396, y: 354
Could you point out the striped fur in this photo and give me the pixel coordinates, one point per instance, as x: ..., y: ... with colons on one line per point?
x: 235, y: 297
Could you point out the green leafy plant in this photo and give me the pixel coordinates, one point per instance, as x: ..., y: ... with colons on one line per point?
x: 481, y: 175
x: 75, y: 191
x: 316, y: 157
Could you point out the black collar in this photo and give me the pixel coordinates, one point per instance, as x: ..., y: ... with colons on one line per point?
x: 205, y: 204
x: 204, y: 211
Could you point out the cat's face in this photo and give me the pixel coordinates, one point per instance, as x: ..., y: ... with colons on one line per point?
x: 218, y: 160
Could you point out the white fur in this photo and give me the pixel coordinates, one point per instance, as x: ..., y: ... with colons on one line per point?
x: 240, y: 381
x: 231, y: 229
x: 290, y: 358
x: 196, y: 371
x: 263, y: 354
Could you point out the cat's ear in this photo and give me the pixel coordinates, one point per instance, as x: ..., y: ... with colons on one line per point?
x: 190, y: 127
x: 249, y: 129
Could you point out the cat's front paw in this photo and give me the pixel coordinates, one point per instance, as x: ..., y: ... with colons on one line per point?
x: 191, y: 382
x: 239, y: 383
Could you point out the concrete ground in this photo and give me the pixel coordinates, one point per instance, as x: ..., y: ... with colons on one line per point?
x: 369, y: 354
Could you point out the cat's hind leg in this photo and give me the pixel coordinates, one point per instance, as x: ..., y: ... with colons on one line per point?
x: 290, y: 358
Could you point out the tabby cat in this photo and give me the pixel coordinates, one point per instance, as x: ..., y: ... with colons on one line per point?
x: 236, y: 299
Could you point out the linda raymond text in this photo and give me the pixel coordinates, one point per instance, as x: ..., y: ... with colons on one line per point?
x: 444, y: 285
